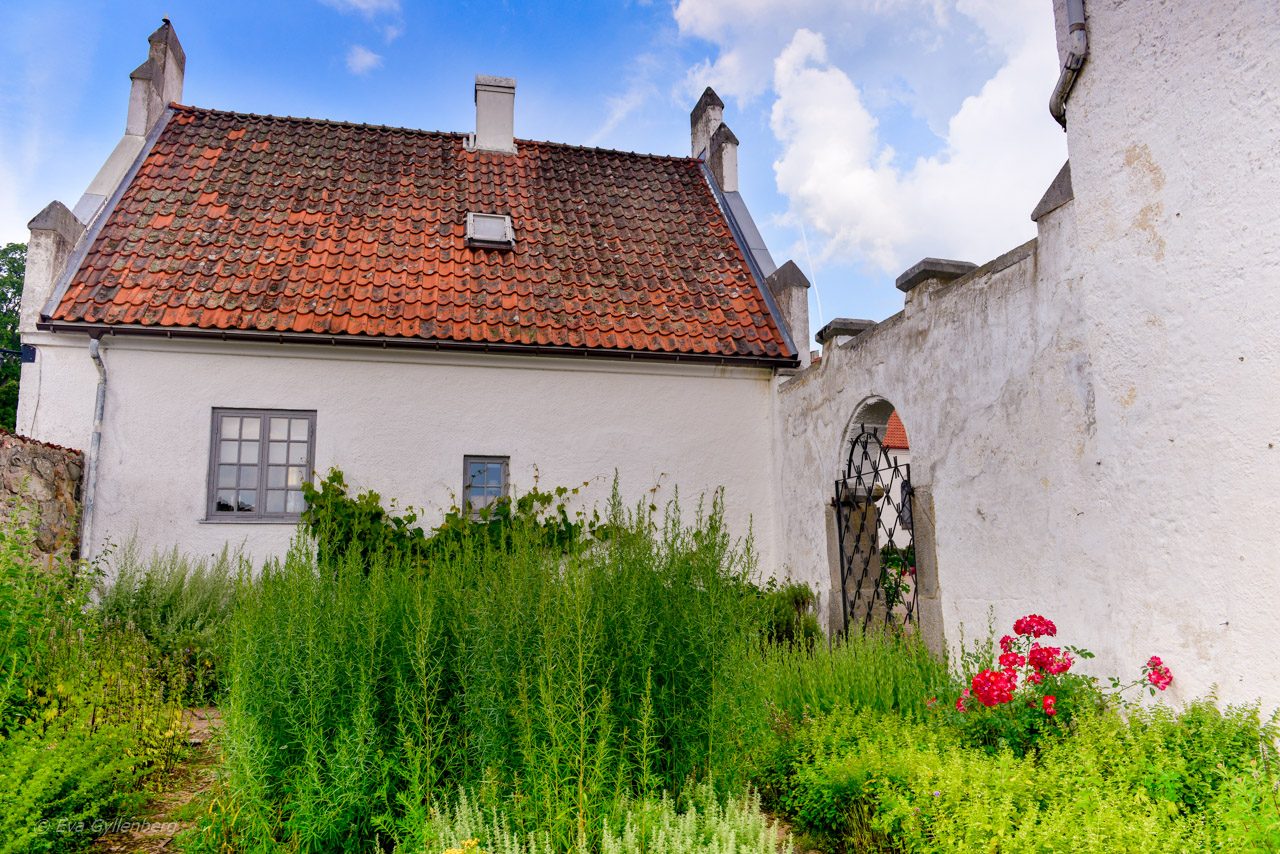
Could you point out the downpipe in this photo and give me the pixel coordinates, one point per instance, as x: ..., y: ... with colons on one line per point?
x: 1077, y: 52
x: 95, y: 443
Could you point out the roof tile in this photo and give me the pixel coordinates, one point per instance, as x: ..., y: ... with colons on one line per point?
x: 237, y: 221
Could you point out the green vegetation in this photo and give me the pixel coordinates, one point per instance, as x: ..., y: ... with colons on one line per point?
x: 556, y: 681
x: 532, y: 681
x: 182, y: 607
x: 85, y: 718
x: 13, y: 266
x: 862, y: 780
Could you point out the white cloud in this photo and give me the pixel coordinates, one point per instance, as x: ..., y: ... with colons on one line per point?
x: 368, y: 8
x: 391, y: 32
x: 361, y: 60
x: 957, y: 178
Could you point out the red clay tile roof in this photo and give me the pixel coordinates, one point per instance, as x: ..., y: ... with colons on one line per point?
x: 895, y: 435
x: 281, y: 225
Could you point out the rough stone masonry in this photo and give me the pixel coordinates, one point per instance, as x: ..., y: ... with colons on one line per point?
x: 45, y: 478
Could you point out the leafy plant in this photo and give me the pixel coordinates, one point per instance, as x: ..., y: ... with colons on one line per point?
x: 1154, y: 781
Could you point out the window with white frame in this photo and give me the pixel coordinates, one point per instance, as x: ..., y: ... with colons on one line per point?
x: 484, y: 481
x: 258, y: 462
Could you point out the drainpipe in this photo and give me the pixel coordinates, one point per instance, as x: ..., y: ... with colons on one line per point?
x: 1077, y: 50
x: 95, y: 442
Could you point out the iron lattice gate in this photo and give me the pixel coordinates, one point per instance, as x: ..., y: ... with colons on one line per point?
x: 876, y: 536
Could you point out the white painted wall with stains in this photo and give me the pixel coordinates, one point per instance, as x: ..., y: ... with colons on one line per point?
x: 400, y: 422
x: 1096, y: 417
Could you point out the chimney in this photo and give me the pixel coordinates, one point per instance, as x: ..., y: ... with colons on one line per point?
x: 723, y: 159
x: 495, y: 113
x: 54, y: 233
x: 156, y: 82
x: 790, y: 289
x: 707, y: 115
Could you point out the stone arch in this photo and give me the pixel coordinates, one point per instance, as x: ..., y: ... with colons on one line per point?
x: 873, y: 413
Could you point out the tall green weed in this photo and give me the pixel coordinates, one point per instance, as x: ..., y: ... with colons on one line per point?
x: 181, y: 605
x: 554, y: 678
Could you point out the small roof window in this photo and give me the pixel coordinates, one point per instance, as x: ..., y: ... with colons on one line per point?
x: 490, y: 231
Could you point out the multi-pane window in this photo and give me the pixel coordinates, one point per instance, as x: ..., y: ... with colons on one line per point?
x: 484, y: 481
x: 259, y: 461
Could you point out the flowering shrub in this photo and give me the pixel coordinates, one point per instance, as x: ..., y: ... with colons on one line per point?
x: 1032, y: 691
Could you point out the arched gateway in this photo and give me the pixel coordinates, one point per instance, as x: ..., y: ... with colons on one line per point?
x: 874, y: 522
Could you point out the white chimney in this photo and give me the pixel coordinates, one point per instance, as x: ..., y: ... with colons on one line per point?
x: 157, y: 81
x: 723, y: 159
x: 495, y: 113
x: 707, y: 115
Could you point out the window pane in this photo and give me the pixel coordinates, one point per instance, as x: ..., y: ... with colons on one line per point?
x: 495, y: 474
x: 489, y: 228
x: 475, y: 473
x: 251, y: 481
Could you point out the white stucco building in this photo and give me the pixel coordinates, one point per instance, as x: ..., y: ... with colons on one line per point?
x: 246, y: 300
x: 1094, y: 419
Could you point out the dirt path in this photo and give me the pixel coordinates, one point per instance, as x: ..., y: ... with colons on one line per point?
x: 154, y: 830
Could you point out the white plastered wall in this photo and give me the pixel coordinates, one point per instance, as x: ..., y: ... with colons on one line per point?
x: 1098, y: 423
x: 400, y: 422
x: 1174, y: 138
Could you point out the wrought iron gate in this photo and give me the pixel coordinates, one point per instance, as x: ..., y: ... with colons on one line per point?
x: 876, y: 536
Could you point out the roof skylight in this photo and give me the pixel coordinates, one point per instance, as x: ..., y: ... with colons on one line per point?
x: 490, y: 231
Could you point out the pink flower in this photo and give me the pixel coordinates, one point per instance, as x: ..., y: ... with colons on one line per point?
x: 1049, y: 658
x: 1012, y: 659
x: 993, y: 687
x: 1035, y: 625
x: 1048, y: 703
x: 1158, y: 674
x: 1005, y: 643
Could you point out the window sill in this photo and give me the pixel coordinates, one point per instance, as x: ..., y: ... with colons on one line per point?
x: 292, y: 523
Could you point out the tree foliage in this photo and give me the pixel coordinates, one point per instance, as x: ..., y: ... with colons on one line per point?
x: 13, y: 266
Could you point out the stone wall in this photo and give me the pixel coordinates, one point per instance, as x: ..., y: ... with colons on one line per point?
x: 48, y: 478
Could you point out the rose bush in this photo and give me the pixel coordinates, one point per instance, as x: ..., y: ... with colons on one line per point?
x: 1029, y: 689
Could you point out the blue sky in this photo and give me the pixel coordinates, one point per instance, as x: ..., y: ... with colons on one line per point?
x: 873, y: 132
